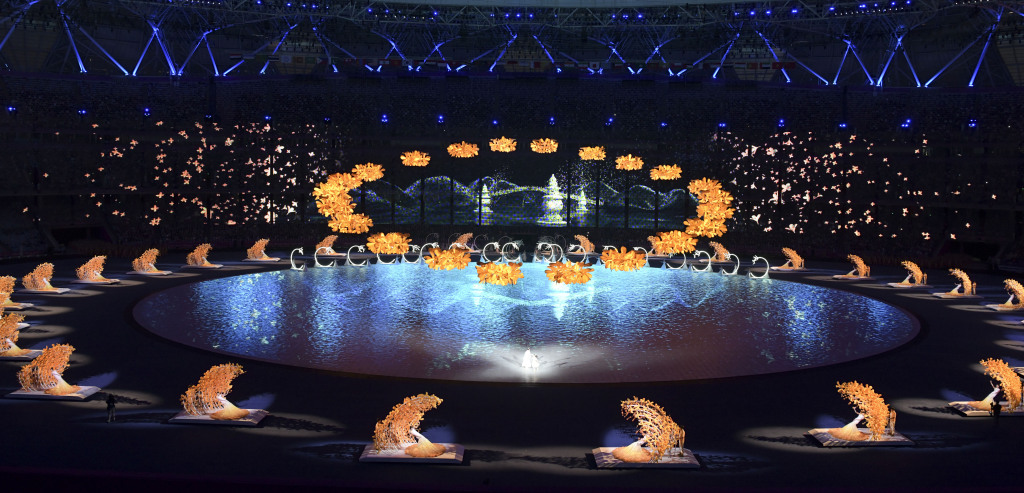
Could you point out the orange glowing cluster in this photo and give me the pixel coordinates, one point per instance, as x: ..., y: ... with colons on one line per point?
x: 672, y: 242
x: 569, y: 272
x: 206, y: 397
x: 198, y: 256
x: 44, y: 372
x: 92, y: 270
x: 147, y: 261
x: 624, y: 259
x: 396, y: 429
x: 6, y: 288
x: 503, y: 144
x: 334, y: 201
x: 257, y: 250
x: 1013, y: 287
x: 794, y: 259
x: 9, y: 334
x: 629, y: 162
x: 867, y: 402
x: 1008, y: 379
x: 39, y: 278
x: 666, y: 172
x: 463, y: 150
x: 915, y: 272
x: 858, y: 263
x: 388, y: 244
x: 721, y: 253
x: 415, y: 158
x: 713, y: 209
x: 585, y: 244
x: 592, y: 153
x: 499, y: 274
x: 655, y: 428
x: 544, y: 146
x: 327, y: 243
x: 969, y: 287
x: 450, y: 259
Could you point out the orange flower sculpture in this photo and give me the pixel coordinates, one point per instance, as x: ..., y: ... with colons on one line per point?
x: 712, y: 211
x: 388, y: 244
x: 368, y: 172
x: 7, y: 284
x: 257, y: 250
x: 624, y: 259
x: 463, y: 150
x: 463, y: 240
x: 504, y: 144
x: 544, y: 146
x: 915, y: 273
x: 858, y: 264
x: 585, y: 244
x: 657, y: 431
x: 969, y: 287
x: 672, y: 242
x: 499, y: 274
x: 666, y: 172
x: 197, y: 257
x: 629, y: 162
x: 147, y: 261
x: 1014, y: 288
x: 721, y: 253
x: 415, y: 159
x: 207, y: 396
x: 867, y: 403
x: 450, y: 259
x: 92, y: 270
x: 399, y: 427
x: 793, y: 259
x: 44, y: 372
x: 327, y: 244
x: 1008, y: 380
x: 592, y: 153
x: 39, y: 278
x: 569, y: 272
x: 9, y: 334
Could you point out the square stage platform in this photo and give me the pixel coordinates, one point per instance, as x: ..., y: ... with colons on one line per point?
x: 453, y: 454
x: 827, y: 440
x: 964, y: 408
x: 671, y: 460
x: 45, y: 291
x: 29, y: 356
x: 83, y: 393
x: 253, y: 419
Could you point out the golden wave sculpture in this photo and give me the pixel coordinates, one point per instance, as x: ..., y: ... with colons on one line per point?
x: 918, y: 277
x: 9, y: 334
x: 569, y: 272
x: 500, y: 274
x: 451, y: 259
x: 793, y: 260
x: 969, y: 288
x: 870, y: 407
x: 208, y: 396
x: 398, y: 429
x: 92, y: 270
x: 39, y: 278
x: 860, y: 270
x: 197, y: 257
x: 45, y: 372
x: 658, y: 432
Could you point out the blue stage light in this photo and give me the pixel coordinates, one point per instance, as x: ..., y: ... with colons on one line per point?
x: 384, y: 118
x: 494, y: 122
x: 721, y: 125
x: 440, y: 118
x: 551, y: 121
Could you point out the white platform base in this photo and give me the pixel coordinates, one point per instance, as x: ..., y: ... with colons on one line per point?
x: 672, y: 459
x: 268, y: 260
x: 787, y: 269
x: 827, y: 440
x: 253, y: 419
x: 105, y: 281
x: 83, y: 393
x: 905, y: 286
x: 846, y: 277
x: 950, y: 296
x: 453, y: 454
x: 965, y: 408
x: 46, y: 291
x: 23, y: 325
x: 18, y: 306
x: 1001, y: 307
x: 153, y: 273
x: 29, y: 356
x: 207, y: 266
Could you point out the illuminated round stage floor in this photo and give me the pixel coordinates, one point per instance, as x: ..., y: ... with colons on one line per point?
x: 409, y: 321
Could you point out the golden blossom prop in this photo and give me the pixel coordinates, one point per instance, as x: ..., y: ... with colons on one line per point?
x: 399, y: 427
x: 629, y: 162
x: 147, y: 261
x: 7, y: 284
x: 197, y: 257
x: 624, y: 259
x: 499, y: 274
x: 44, y: 372
x: 415, y: 158
x: 569, y: 272
x: 333, y: 199
x: 712, y: 211
x: 463, y: 240
x: 672, y: 242
x: 656, y: 428
x: 368, y: 172
x: 721, y: 253
x: 207, y: 396
x: 388, y: 244
x: 592, y: 153
x: 1016, y: 291
x: 794, y: 260
x: 915, y: 273
x: 1008, y: 380
x: 327, y: 244
x: 867, y: 403
x: 92, y: 270
x: 450, y: 259
x: 969, y: 287
x: 586, y: 245
x: 858, y: 263
x: 503, y: 144
x: 666, y: 172
x: 544, y: 146
x: 463, y: 150
x: 9, y: 334
x: 256, y: 251
x: 39, y: 278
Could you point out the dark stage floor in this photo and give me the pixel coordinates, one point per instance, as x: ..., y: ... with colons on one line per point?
x: 748, y: 432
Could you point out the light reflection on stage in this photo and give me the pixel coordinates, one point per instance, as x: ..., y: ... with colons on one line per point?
x: 409, y: 321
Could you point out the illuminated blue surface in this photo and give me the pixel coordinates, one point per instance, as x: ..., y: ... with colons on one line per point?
x: 410, y: 321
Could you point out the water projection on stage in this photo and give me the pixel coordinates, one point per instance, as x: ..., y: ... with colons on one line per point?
x: 408, y: 320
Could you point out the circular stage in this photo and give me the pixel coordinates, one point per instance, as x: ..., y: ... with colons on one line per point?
x: 406, y: 320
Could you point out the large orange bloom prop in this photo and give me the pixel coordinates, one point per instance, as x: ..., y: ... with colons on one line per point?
x: 629, y: 162
x: 544, y: 146
x: 334, y: 201
x: 503, y: 144
x: 391, y: 243
x: 415, y: 158
x: 666, y: 172
x: 672, y: 242
x: 623, y: 259
x: 499, y: 274
x: 592, y: 153
x: 463, y: 150
x: 569, y: 272
x: 451, y: 259
x: 713, y: 210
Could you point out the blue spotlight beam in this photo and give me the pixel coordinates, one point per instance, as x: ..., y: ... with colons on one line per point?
x: 144, y: 51
x: 712, y: 52
x: 18, y: 13
x: 327, y: 51
x: 212, y: 60
x: 545, y: 48
x: 795, y: 59
x: 888, y: 61
x: 871, y: 80
x: 504, y: 49
x: 955, y: 58
x: 336, y: 45
x: 911, y: 65
x: 71, y: 39
x: 193, y: 52
x: 167, y: 55
x: 253, y: 53
x: 841, y: 63
x: 775, y: 56
x: 278, y: 47
x: 103, y: 50
x: 984, y: 49
x: 724, y: 56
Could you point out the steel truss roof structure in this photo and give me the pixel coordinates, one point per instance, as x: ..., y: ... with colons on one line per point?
x: 889, y: 43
